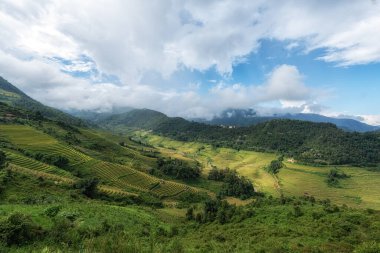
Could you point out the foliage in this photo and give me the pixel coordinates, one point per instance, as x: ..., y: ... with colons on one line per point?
x: 233, y: 184
x: 275, y: 166
x: 19, y: 229
x: 88, y: 187
x: 218, y: 174
x: 3, y: 160
x: 320, y: 143
x: 178, y: 169
x: 334, y: 176
x: 56, y: 160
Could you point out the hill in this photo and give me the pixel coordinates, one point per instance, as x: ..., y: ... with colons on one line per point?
x: 67, y: 188
x: 11, y: 95
x: 248, y: 117
x: 321, y: 143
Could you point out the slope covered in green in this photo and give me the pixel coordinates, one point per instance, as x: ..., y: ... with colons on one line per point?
x: 68, y: 188
x: 319, y: 143
x: 42, y: 216
x: 11, y: 95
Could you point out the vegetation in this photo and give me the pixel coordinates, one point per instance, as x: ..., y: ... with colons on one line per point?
x: 72, y: 223
x: 69, y: 188
x: 360, y: 190
x: 315, y: 143
x: 16, y: 98
x: 3, y: 160
x: 275, y: 166
x: 233, y: 184
x: 334, y: 176
x: 178, y: 169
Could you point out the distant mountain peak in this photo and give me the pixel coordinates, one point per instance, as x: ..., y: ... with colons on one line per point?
x: 248, y: 117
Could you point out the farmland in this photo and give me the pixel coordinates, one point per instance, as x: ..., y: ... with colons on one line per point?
x: 120, y: 177
x: 359, y: 190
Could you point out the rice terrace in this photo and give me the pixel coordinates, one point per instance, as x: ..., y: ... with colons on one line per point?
x: 189, y: 126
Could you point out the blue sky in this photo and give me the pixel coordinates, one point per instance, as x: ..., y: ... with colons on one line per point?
x: 196, y: 58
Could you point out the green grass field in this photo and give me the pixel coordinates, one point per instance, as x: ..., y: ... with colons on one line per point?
x: 120, y: 177
x: 361, y: 190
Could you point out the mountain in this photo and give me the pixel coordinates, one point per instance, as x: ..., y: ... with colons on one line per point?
x: 138, y: 118
x: 248, y: 117
x: 95, y: 116
x: 321, y: 143
x: 11, y: 95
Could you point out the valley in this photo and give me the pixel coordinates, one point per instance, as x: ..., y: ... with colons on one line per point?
x: 295, y: 179
x: 144, y: 182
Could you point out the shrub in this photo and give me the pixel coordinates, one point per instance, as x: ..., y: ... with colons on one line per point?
x: 3, y: 160
x: 178, y: 169
x: 19, y: 229
x: 88, y: 187
x: 275, y: 166
x: 334, y: 176
x: 52, y: 211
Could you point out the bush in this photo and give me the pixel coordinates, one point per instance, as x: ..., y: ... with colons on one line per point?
x: 237, y: 186
x: 234, y: 184
x: 178, y: 169
x: 275, y: 166
x: 19, y: 229
x: 88, y: 187
x: 218, y: 174
x: 334, y: 176
x: 3, y: 160
x: 52, y: 211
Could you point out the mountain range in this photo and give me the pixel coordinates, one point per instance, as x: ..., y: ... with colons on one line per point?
x: 248, y: 117
x: 320, y: 143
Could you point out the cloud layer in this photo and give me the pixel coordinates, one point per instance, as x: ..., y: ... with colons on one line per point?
x: 64, y: 53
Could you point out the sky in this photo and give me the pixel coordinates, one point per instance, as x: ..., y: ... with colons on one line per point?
x: 196, y: 58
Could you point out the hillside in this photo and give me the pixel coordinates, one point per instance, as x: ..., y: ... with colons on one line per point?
x: 241, y: 117
x: 68, y: 188
x: 294, y: 179
x: 321, y: 143
x: 11, y: 95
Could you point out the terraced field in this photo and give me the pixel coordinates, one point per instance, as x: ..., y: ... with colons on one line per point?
x: 32, y: 164
x: 247, y: 163
x: 360, y: 190
x: 35, y: 141
x: 124, y: 177
x: 37, y: 173
x: 118, y: 178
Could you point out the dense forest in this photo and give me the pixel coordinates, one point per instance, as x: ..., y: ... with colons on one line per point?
x: 317, y: 143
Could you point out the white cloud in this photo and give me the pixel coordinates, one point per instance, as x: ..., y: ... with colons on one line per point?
x: 130, y: 38
x: 371, y: 119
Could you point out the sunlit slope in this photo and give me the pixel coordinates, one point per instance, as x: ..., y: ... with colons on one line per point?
x: 247, y: 163
x: 32, y: 141
x: 361, y: 189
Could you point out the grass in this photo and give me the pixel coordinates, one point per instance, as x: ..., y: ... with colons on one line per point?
x: 122, y: 177
x: 360, y: 190
x: 29, y: 163
x: 95, y: 225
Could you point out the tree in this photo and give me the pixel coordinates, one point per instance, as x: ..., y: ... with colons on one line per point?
x: 89, y: 187
x: 3, y: 160
x: 275, y: 166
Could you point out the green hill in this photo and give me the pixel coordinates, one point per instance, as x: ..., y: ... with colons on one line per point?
x: 69, y: 188
x: 320, y: 143
x: 11, y: 95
